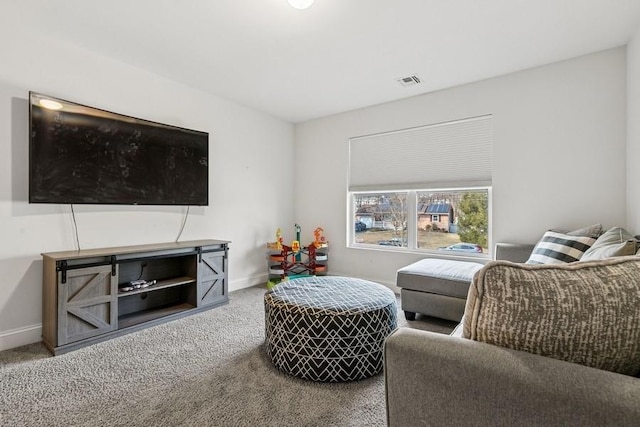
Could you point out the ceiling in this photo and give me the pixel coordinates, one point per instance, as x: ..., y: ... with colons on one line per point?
x: 339, y: 55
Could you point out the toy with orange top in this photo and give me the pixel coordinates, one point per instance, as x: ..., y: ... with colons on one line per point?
x: 287, y: 262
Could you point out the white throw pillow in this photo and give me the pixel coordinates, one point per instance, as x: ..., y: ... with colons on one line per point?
x: 614, y: 242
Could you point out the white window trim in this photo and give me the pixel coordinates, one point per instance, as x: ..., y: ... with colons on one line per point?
x: 412, y: 225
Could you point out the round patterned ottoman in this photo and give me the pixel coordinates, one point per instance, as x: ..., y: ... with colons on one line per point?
x: 328, y: 328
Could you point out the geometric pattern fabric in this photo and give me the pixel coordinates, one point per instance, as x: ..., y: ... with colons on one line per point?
x: 328, y: 328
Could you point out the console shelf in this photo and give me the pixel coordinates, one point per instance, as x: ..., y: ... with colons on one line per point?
x: 159, y: 285
x: 148, y: 315
x: 82, y: 303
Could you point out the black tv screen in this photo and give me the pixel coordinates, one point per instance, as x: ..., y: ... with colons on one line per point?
x: 85, y: 155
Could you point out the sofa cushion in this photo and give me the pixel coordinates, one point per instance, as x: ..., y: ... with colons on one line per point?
x: 438, y: 276
x: 558, y: 248
x: 594, y: 231
x: 586, y: 313
x: 614, y: 242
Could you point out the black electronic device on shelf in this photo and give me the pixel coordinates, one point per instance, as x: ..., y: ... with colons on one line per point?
x: 136, y: 284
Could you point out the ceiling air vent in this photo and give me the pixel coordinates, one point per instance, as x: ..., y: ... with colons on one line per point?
x: 411, y: 80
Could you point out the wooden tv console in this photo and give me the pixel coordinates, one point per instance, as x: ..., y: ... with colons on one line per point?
x: 83, y: 303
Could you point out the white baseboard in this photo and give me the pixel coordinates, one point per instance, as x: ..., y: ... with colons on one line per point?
x: 248, y: 282
x: 21, y: 336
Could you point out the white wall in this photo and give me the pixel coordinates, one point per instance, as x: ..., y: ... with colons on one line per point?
x: 633, y: 133
x: 559, y: 154
x: 251, y: 172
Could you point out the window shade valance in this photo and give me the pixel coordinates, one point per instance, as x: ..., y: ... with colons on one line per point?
x: 443, y: 155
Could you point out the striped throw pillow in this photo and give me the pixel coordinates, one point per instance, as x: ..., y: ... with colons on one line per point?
x: 559, y: 248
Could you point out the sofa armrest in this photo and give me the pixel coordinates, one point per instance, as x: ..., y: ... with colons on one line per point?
x: 435, y: 379
x: 514, y: 252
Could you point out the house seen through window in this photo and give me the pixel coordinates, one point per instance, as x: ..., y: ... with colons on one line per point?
x: 456, y: 221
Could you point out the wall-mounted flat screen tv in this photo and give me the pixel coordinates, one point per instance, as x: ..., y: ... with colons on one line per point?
x: 85, y: 155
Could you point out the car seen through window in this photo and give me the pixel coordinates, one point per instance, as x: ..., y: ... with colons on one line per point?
x: 463, y: 247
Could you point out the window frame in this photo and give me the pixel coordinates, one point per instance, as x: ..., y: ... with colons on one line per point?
x: 412, y: 223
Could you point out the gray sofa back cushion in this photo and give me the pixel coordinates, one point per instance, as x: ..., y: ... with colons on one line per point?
x: 586, y: 312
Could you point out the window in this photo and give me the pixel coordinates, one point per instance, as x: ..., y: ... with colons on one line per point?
x: 462, y: 223
x: 404, y: 219
x: 424, y: 189
x: 385, y: 217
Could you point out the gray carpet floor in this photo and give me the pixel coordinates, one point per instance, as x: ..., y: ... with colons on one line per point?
x: 209, y: 369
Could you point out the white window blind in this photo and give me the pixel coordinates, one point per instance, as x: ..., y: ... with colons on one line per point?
x: 443, y: 155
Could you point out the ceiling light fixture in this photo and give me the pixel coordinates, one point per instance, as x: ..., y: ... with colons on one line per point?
x: 301, y: 4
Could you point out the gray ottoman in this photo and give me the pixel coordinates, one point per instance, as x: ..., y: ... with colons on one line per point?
x: 328, y: 328
x: 435, y: 287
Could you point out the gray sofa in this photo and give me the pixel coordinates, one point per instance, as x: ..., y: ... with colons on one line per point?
x: 498, y: 376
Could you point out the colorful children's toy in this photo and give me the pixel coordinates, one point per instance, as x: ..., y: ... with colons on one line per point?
x: 320, y: 241
x: 296, y: 261
x: 278, y: 243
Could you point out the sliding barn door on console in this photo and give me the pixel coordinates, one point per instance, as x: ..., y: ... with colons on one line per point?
x: 86, y: 303
x: 212, y: 273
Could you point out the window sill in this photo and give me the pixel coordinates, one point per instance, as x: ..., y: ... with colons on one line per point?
x: 481, y: 258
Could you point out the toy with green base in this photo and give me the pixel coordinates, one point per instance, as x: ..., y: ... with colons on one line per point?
x: 287, y: 262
